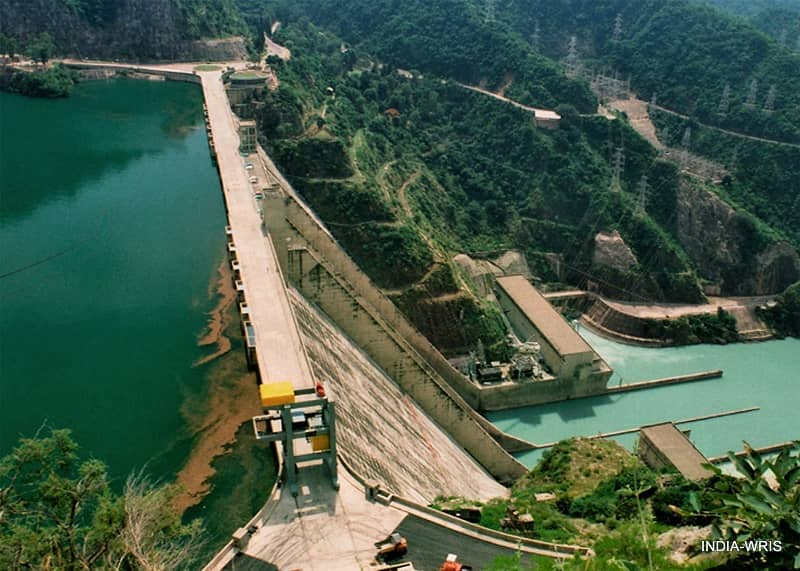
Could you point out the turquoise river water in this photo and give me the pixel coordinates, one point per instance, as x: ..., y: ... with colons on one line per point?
x: 111, y: 226
x: 755, y: 374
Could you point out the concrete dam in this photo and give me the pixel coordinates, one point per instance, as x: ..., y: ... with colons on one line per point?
x: 371, y: 422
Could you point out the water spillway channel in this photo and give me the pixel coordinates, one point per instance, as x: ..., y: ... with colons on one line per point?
x: 111, y: 221
x: 764, y: 375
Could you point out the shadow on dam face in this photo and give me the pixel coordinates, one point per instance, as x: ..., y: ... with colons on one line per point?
x: 383, y: 434
x: 243, y: 562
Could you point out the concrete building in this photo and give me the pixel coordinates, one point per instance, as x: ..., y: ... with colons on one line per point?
x: 546, y: 119
x: 242, y: 86
x: 664, y: 446
x: 564, y: 351
x: 248, y: 136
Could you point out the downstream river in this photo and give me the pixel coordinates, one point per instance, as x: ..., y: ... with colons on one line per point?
x: 111, y: 225
x: 755, y: 374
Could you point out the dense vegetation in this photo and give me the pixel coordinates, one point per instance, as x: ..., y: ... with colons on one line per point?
x: 766, y: 177
x: 55, y: 81
x: 751, y: 8
x: 606, y: 498
x: 136, y: 29
x: 784, y: 316
x: 60, y: 512
x: 448, y: 38
x: 683, y: 52
x: 719, y: 328
x: 408, y: 171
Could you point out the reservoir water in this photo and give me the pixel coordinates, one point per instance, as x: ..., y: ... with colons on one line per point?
x: 755, y: 374
x: 111, y: 229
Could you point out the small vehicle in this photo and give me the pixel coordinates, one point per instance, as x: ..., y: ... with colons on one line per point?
x: 516, y: 520
x: 249, y: 166
x: 452, y: 564
x: 393, y: 548
x: 259, y: 195
x: 254, y: 179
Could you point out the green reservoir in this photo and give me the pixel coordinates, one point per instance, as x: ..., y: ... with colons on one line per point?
x: 111, y: 228
x: 755, y: 374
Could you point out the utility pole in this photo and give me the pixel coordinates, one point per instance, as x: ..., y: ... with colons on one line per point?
x: 725, y: 101
x: 617, y: 35
x: 490, y: 11
x: 536, y: 37
x: 783, y: 38
x: 769, y: 104
x: 573, y: 65
x: 642, y: 194
x: 685, y: 144
x: 664, y: 136
x: 752, y: 95
x: 619, y: 164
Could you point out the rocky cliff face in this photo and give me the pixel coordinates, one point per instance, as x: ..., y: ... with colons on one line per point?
x: 727, y: 249
x: 610, y: 250
x: 129, y: 29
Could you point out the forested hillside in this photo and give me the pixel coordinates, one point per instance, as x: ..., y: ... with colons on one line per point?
x: 448, y: 38
x: 778, y: 18
x: 409, y: 171
x: 134, y: 29
x: 683, y: 52
x: 373, y: 126
x: 750, y: 8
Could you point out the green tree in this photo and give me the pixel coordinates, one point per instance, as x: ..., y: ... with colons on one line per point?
x: 8, y: 45
x: 42, y: 48
x: 760, y: 511
x: 784, y: 316
x: 59, y: 512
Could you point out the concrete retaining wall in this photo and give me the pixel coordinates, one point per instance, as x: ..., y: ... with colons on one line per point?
x: 111, y: 70
x: 527, y: 393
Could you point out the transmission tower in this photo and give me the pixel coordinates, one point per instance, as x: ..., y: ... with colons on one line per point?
x: 619, y: 165
x: 734, y: 159
x: 752, y: 95
x: 769, y: 104
x: 797, y: 44
x: 536, y: 36
x: 664, y: 136
x: 654, y: 99
x: 617, y: 35
x: 783, y: 38
x: 573, y: 65
x: 686, y: 142
x: 725, y: 101
x: 490, y: 11
x: 642, y: 194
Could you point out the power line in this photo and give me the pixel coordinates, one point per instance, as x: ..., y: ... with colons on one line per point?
x: 41, y: 261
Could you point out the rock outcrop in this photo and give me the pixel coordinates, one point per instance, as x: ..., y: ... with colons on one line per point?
x: 610, y: 250
x: 137, y: 30
x: 727, y: 248
x: 224, y: 49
